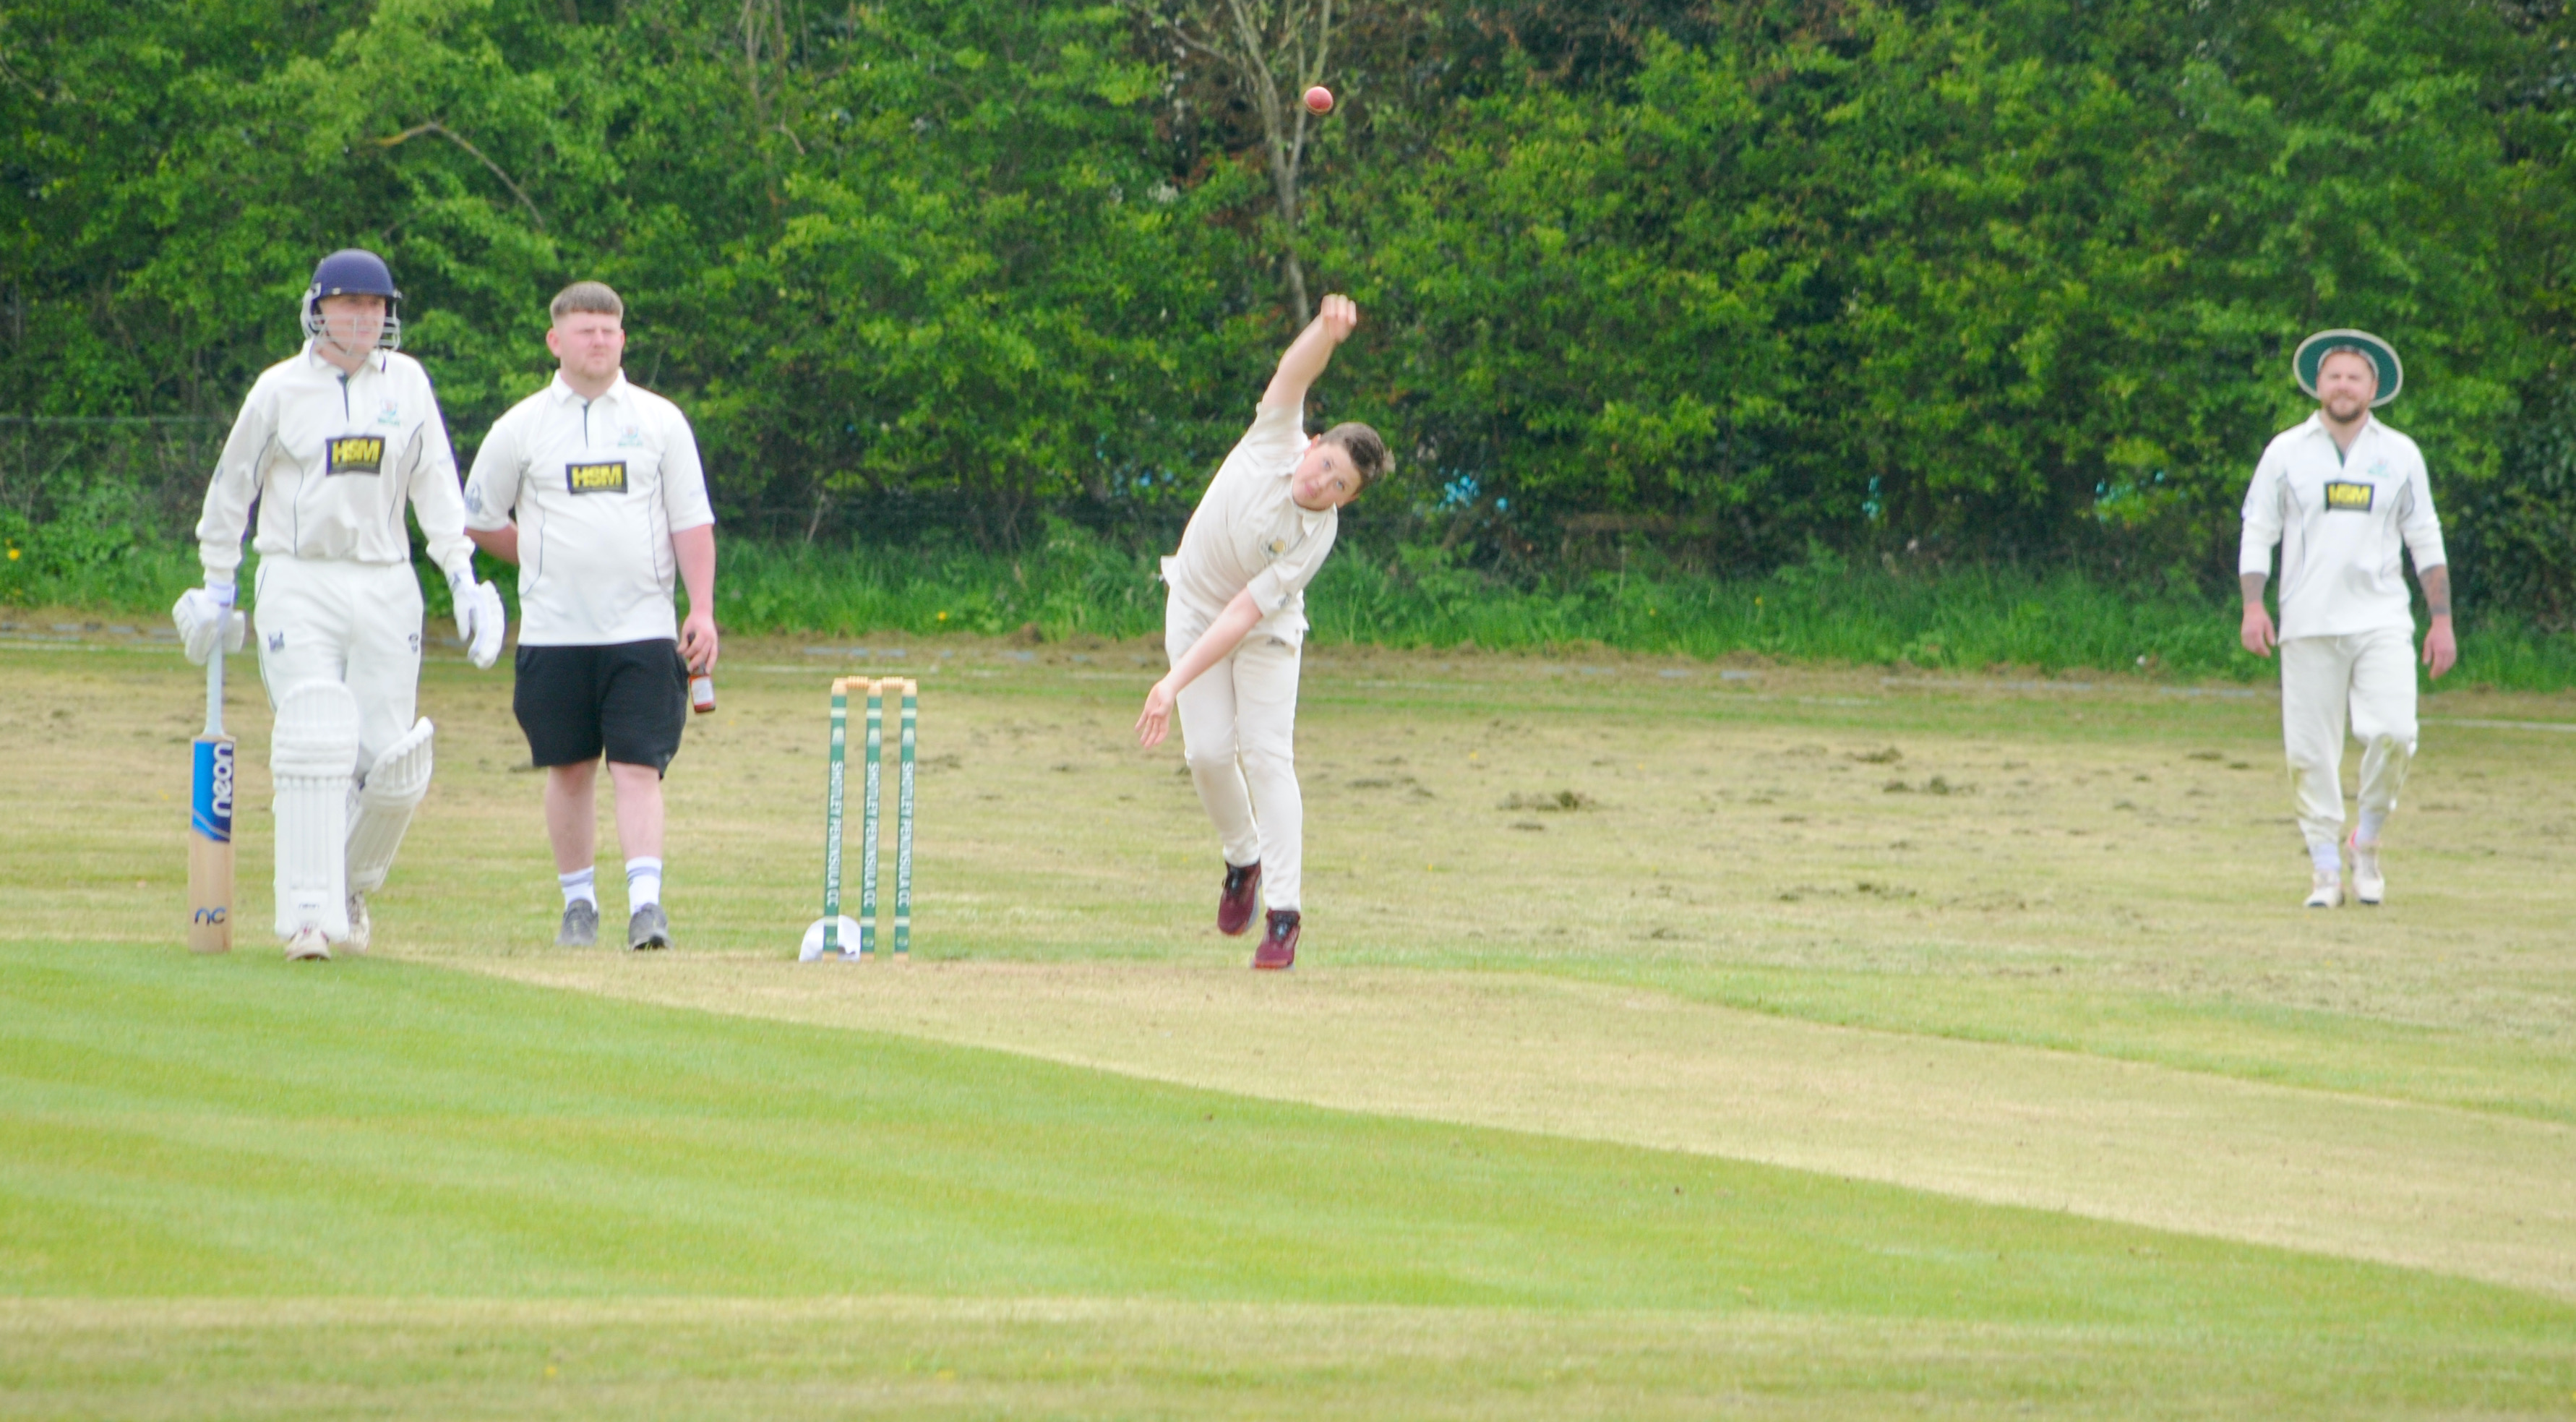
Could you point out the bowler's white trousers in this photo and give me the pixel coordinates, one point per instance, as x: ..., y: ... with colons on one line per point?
x: 2372, y: 674
x: 354, y: 623
x: 1239, y: 735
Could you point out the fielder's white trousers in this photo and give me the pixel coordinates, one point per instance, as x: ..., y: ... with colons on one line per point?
x: 354, y: 623
x: 1239, y: 734
x: 2371, y: 675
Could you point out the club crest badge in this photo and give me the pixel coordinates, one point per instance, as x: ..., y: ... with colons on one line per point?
x: 390, y: 415
x: 633, y: 438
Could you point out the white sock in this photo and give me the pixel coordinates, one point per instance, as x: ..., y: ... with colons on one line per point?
x: 643, y: 883
x: 2327, y: 856
x: 580, y: 886
x: 2367, y: 835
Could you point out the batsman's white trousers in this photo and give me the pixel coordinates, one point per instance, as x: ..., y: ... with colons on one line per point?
x: 1239, y: 735
x: 354, y: 623
x: 2371, y: 674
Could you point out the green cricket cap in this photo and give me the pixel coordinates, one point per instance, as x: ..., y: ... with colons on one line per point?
x: 2312, y: 353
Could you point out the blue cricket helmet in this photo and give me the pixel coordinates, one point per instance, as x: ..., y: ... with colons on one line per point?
x: 354, y: 271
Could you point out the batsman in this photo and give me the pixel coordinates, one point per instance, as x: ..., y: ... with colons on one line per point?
x: 329, y: 447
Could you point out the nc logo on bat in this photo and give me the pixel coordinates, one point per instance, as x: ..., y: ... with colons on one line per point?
x: 212, y: 813
x: 213, y: 914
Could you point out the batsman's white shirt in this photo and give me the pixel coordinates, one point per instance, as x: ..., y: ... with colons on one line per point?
x: 1249, y: 533
x: 2342, y: 518
x: 598, y: 488
x: 331, y: 457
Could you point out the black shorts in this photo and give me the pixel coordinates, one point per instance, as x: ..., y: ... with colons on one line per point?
x: 628, y: 699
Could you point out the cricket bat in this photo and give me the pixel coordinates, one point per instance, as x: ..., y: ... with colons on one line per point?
x: 210, y: 823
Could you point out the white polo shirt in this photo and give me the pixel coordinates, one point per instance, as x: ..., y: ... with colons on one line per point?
x: 598, y: 487
x: 2342, y: 519
x: 1248, y: 532
x: 331, y: 458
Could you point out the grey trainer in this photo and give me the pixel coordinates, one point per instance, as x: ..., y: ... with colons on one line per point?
x: 580, y: 925
x: 649, y: 928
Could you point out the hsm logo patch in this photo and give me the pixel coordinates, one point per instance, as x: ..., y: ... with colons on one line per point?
x: 606, y: 478
x: 2347, y: 497
x: 356, y: 454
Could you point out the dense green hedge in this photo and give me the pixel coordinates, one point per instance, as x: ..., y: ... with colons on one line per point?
x: 2012, y: 283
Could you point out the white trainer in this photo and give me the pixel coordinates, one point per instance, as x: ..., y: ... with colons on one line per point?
x: 2368, y: 885
x: 360, y: 926
x: 308, y: 946
x: 2325, y: 891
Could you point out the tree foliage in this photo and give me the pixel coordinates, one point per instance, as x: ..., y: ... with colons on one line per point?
x: 2007, y: 280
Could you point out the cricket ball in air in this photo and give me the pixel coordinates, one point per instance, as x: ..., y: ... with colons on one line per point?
x: 1320, y: 99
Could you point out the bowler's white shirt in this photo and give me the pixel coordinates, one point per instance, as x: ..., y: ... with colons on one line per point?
x: 2342, y: 519
x: 598, y: 487
x: 1249, y: 532
x: 331, y: 457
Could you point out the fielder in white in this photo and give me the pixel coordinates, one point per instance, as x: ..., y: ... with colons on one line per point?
x: 2344, y: 496
x: 330, y: 446
x: 1235, y: 621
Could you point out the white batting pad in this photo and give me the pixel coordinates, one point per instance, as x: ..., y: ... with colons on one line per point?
x: 312, y: 750
x: 383, y: 807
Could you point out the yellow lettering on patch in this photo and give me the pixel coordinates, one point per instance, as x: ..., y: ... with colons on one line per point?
x: 2349, y: 497
x: 355, y: 454
x: 607, y: 478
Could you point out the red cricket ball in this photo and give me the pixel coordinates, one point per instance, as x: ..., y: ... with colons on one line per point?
x: 1320, y: 99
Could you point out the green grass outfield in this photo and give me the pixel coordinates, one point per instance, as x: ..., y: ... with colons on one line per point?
x: 1670, y: 1040
x: 233, y: 1188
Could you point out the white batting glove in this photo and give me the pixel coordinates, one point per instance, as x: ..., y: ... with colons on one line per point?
x: 205, y: 616
x: 480, y: 621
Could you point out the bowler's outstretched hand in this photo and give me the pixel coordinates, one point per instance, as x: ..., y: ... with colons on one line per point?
x: 1339, y: 317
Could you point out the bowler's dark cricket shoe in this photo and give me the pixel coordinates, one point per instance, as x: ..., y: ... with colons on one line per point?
x: 1242, y: 891
x: 580, y: 925
x: 1278, y: 950
x: 649, y: 928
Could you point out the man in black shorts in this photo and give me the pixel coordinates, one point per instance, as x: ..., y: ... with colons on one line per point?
x: 594, y: 489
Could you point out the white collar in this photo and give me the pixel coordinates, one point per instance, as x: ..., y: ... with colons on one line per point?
x: 313, y: 355
x: 2317, y: 425
x: 563, y: 392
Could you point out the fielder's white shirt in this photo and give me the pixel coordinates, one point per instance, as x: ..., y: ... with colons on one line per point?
x: 2342, y: 519
x: 331, y: 458
x: 598, y: 488
x: 1248, y: 532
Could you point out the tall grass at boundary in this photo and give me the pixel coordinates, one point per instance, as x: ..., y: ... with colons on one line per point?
x: 1826, y: 609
